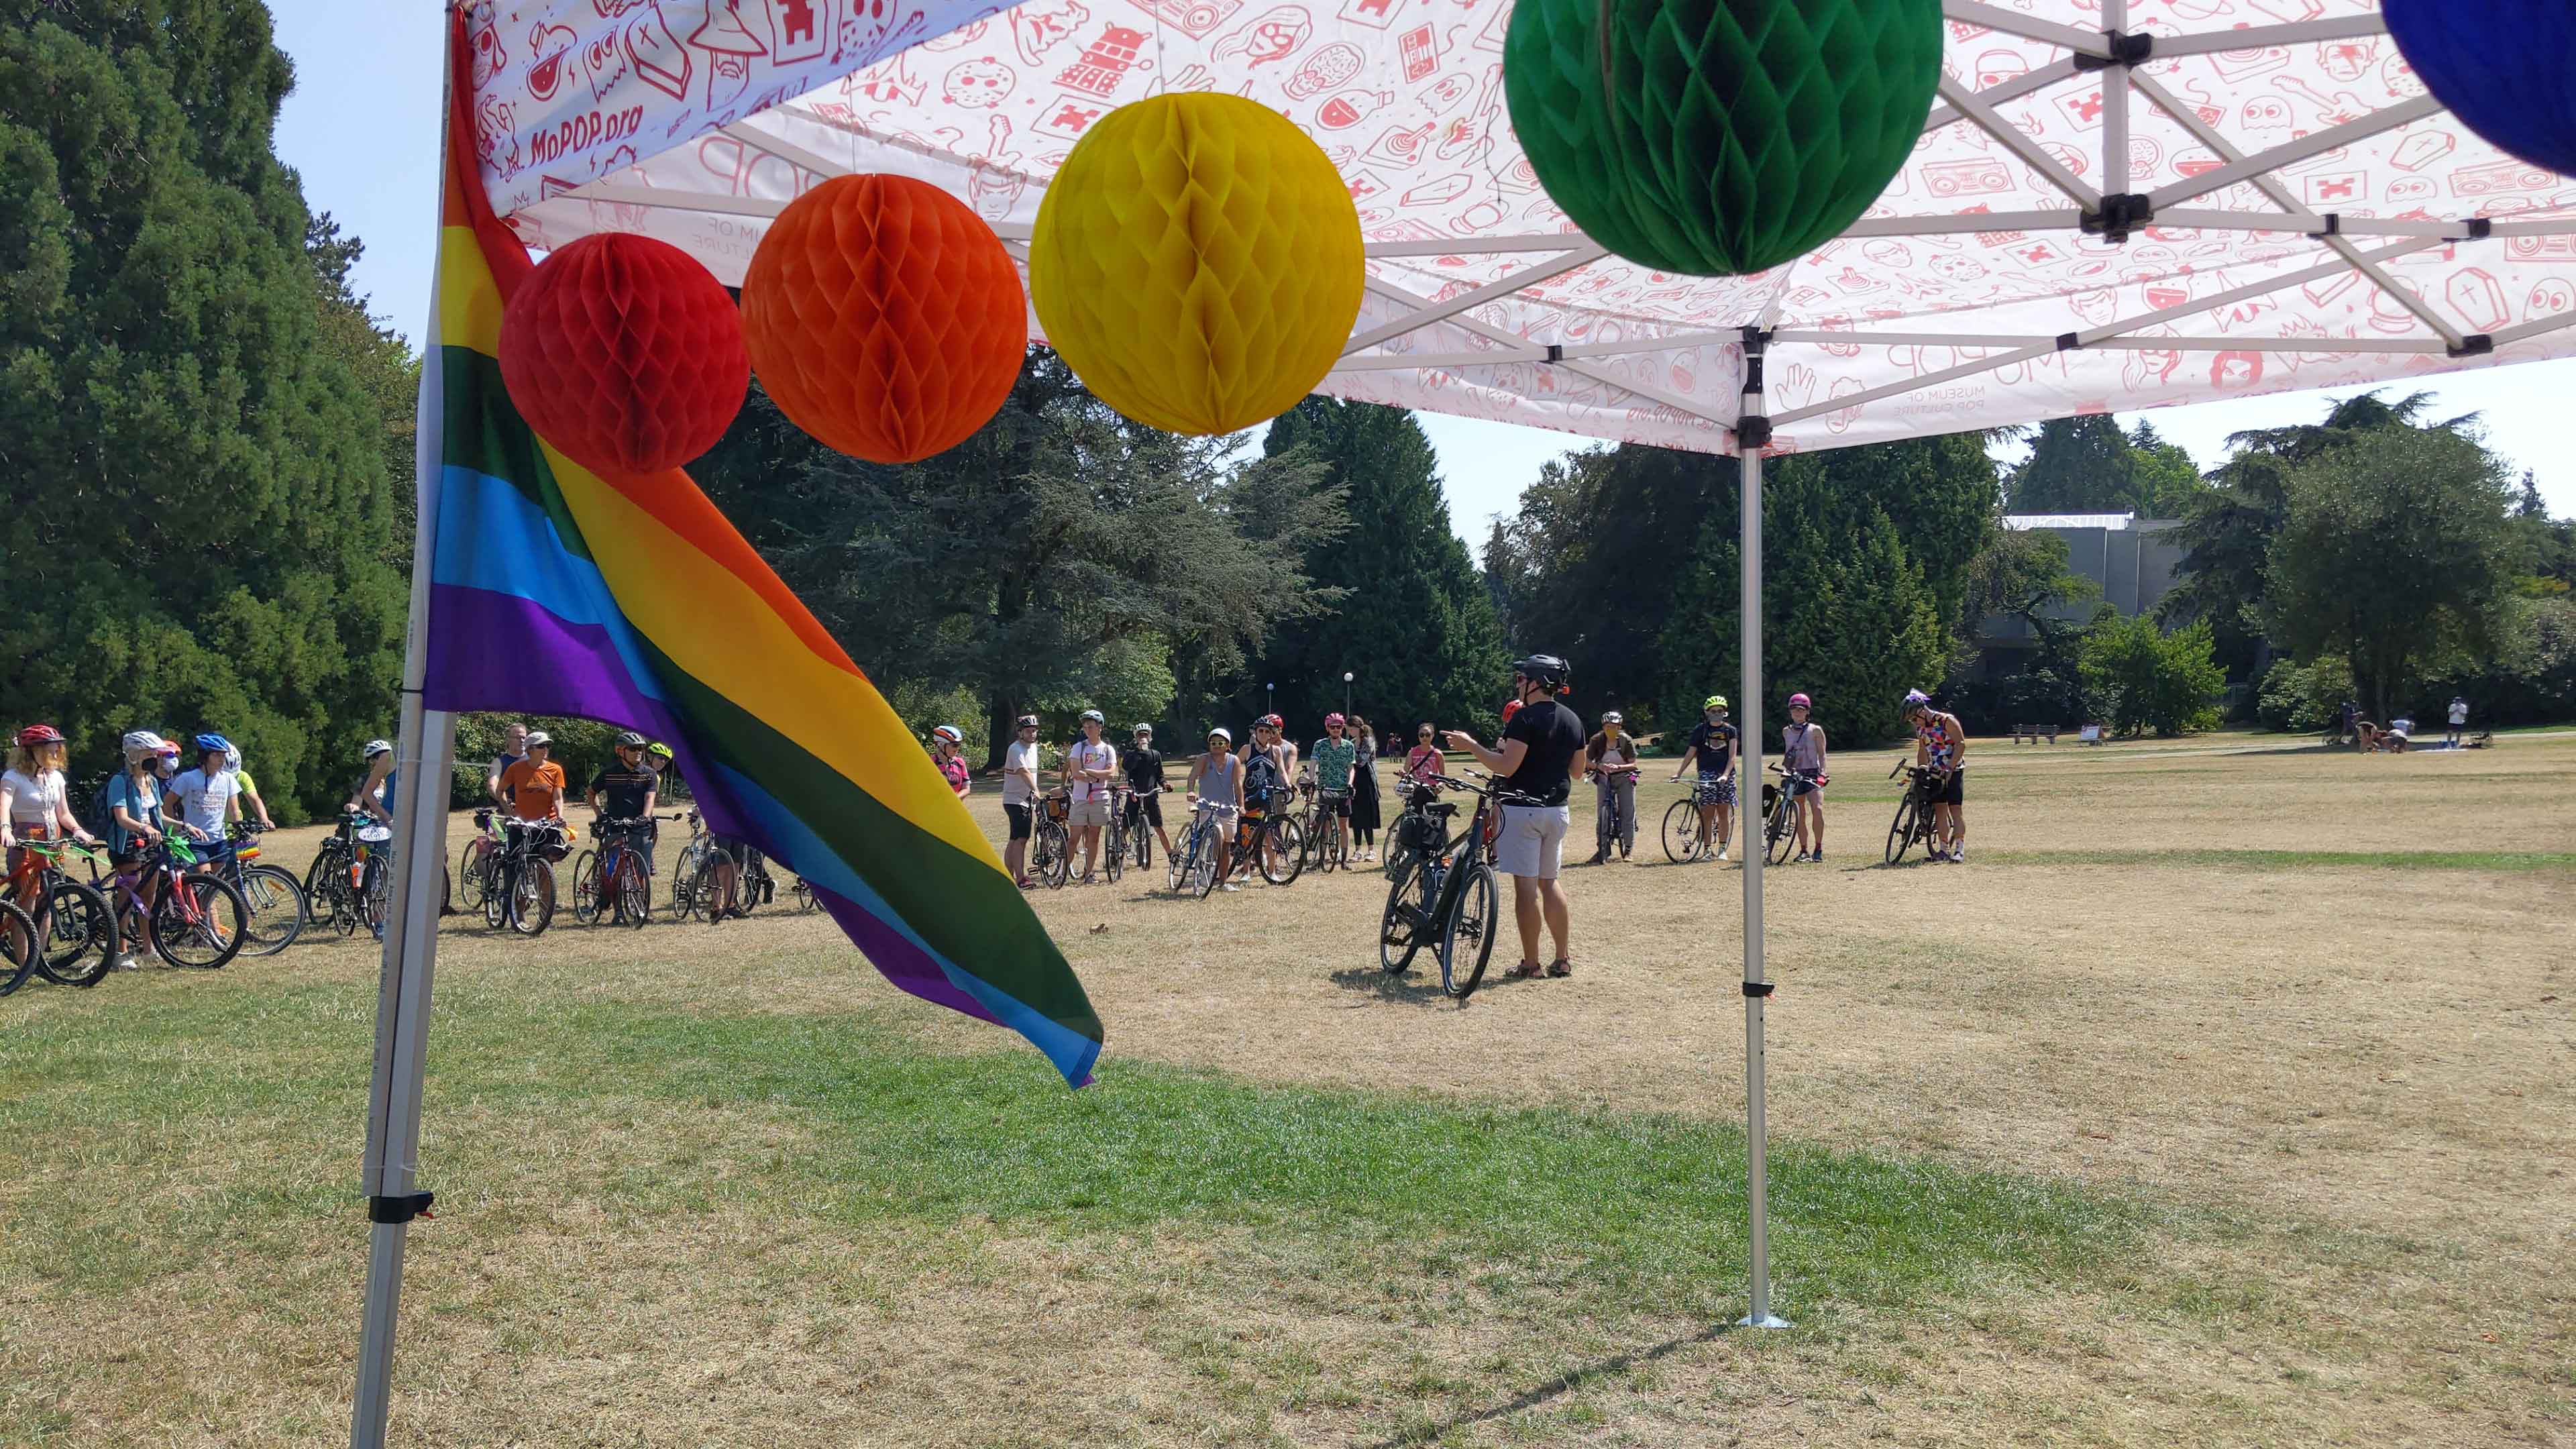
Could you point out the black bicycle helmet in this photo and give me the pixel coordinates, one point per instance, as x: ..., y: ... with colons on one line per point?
x: 1547, y: 669
x: 630, y: 740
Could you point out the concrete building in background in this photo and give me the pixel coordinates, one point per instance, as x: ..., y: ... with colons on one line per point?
x: 2132, y: 559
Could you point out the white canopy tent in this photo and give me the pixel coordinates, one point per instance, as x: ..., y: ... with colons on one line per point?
x: 2116, y: 205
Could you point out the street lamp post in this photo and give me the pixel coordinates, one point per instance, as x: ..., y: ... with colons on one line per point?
x: 1346, y: 694
x: 1269, y: 699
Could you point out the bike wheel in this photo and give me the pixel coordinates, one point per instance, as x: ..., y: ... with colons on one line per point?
x: 532, y: 898
x: 318, y: 874
x: 806, y: 900
x: 472, y: 883
x: 587, y: 887
x: 277, y: 909
x: 1202, y: 873
x: 80, y: 935
x: 1113, y: 854
x: 1467, y: 936
x: 1184, y: 855
x: 1144, y: 843
x: 1401, y: 928
x: 1900, y: 834
x: 21, y: 949
x: 1683, y: 842
x: 1780, y: 833
x: 502, y: 872
x: 1282, y: 849
x: 634, y: 891
x: 376, y: 894
x: 1054, y: 855
x: 199, y: 922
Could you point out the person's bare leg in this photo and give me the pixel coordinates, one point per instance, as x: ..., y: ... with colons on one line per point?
x: 1527, y: 914
x: 1724, y: 827
x: 1016, y: 856
x: 1551, y: 895
x: 1090, y: 849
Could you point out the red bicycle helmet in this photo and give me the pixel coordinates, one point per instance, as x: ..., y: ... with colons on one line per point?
x: 39, y: 734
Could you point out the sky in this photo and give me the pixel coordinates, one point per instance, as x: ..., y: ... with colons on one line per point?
x: 362, y: 130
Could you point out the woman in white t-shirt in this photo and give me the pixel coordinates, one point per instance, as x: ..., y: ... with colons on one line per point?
x: 34, y: 806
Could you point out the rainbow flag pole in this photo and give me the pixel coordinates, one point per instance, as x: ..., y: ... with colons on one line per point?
x: 540, y: 586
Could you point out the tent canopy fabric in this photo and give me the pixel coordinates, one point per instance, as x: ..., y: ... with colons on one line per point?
x: 2116, y: 205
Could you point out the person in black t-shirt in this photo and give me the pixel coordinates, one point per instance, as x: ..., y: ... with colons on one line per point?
x: 1143, y: 765
x: 1712, y: 744
x: 1540, y: 758
x: 624, y: 790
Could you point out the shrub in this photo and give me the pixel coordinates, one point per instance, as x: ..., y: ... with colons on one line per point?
x: 2142, y: 678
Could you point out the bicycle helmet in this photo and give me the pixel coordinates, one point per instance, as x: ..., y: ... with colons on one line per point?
x: 213, y: 744
x: 1800, y: 701
x: 1093, y: 716
x: 951, y: 733
x: 1714, y: 701
x: 630, y: 740
x: 1611, y: 717
x: 1331, y: 720
x: 141, y: 745
x: 1271, y: 721
x: 1028, y: 721
x: 1546, y: 669
x: 658, y: 750
x: 1142, y: 729
x: 39, y: 734
x: 1221, y: 733
x: 1914, y: 699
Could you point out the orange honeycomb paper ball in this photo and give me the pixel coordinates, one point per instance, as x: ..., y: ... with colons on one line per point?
x: 884, y: 317
x: 625, y: 354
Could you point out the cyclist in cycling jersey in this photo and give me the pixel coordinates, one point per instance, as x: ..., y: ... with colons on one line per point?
x: 373, y: 794
x: 1802, y: 749
x: 1268, y: 769
x: 1712, y: 745
x: 35, y: 804
x: 207, y: 799
x: 1941, y: 747
x: 1143, y: 766
x: 626, y: 789
x: 1215, y: 790
x: 945, y: 751
x: 1336, y: 755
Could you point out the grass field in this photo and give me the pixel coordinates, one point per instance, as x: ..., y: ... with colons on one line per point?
x: 2224, y: 1098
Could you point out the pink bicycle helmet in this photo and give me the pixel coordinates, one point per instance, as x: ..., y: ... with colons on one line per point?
x: 1800, y: 701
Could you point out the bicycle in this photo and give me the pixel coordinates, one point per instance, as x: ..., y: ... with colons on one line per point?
x: 687, y: 872
x: 474, y: 872
x: 1138, y: 830
x: 19, y: 951
x: 1780, y: 823
x: 1446, y: 900
x: 1113, y: 844
x: 198, y: 921
x: 1913, y: 823
x: 76, y: 926
x: 1050, y: 855
x: 1686, y: 826
x: 1414, y: 830
x: 615, y: 880
x: 1328, y: 838
x: 1193, y: 859
x: 1611, y: 830
x: 523, y: 897
x: 1274, y: 843
x: 350, y: 882
x: 278, y: 908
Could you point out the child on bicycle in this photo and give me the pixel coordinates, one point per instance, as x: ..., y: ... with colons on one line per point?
x: 1712, y: 747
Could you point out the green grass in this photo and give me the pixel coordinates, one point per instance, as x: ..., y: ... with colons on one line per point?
x: 232, y: 1116
x: 2490, y: 860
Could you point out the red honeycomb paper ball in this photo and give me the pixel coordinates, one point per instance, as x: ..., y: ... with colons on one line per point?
x: 625, y: 354
x: 884, y: 317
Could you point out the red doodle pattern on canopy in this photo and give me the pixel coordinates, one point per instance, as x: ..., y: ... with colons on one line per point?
x: 1405, y: 96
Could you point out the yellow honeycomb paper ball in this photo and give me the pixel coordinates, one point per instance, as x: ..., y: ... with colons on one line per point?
x: 1197, y: 262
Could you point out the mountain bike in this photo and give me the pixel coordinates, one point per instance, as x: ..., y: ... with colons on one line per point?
x: 1611, y: 827
x: 1050, y: 858
x: 198, y: 920
x: 1446, y: 900
x: 616, y: 880
x: 1138, y: 830
x: 523, y: 884
x: 1193, y: 862
x: 76, y: 926
x: 1328, y: 838
x: 19, y: 951
x: 277, y: 906
x: 690, y: 871
x: 1686, y: 827
x: 1274, y: 843
x: 1913, y: 823
x: 350, y: 882
x: 474, y: 870
x: 1780, y: 819
x: 1113, y: 836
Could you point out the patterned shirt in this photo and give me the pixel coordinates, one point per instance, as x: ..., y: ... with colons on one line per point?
x: 1333, y: 761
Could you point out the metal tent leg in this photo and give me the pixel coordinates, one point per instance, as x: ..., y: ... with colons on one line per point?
x: 1756, y: 985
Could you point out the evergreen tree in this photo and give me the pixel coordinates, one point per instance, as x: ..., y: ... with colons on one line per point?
x: 201, y: 529
x: 1413, y: 622
x: 2089, y: 465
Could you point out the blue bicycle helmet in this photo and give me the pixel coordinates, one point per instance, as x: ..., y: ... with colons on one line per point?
x: 213, y: 744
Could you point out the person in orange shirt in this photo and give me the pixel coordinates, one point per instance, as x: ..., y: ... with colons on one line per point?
x: 535, y: 786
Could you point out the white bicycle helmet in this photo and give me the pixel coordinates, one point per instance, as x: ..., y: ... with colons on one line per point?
x: 951, y: 733
x: 141, y: 745
x: 1221, y: 733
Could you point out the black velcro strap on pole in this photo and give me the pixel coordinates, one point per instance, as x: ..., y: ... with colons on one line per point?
x: 400, y: 1209
x: 1758, y: 988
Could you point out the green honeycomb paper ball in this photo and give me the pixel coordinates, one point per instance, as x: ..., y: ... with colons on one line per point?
x: 1719, y: 137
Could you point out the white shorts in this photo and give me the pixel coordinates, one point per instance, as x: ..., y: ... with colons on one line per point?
x: 1087, y: 814
x: 1532, y: 841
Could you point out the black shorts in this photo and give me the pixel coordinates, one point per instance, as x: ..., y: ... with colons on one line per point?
x: 1947, y: 792
x: 1334, y: 802
x: 1020, y: 821
x: 1149, y: 803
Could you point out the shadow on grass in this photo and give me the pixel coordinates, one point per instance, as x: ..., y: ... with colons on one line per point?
x: 1540, y: 1393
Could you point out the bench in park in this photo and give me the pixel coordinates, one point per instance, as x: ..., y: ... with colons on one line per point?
x: 2032, y: 732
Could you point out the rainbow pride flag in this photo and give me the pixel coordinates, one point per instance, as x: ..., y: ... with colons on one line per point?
x: 631, y: 600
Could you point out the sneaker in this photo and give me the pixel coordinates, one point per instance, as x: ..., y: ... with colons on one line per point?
x: 1599, y: 857
x: 1959, y: 855
x: 1721, y: 853
x: 125, y: 962
x: 1817, y: 857
x: 1229, y: 886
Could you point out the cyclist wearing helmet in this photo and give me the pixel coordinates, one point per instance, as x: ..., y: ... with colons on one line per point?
x: 1269, y: 764
x: 946, y: 751
x: 1019, y: 797
x: 536, y: 785
x: 251, y: 803
x: 35, y: 804
x: 207, y: 798
x: 1145, y: 785
x: 1336, y: 755
x: 626, y: 789
x: 1611, y: 757
x: 1802, y: 750
x: 514, y: 748
x: 1941, y: 747
x: 1215, y: 789
x: 1712, y: 744
x: 134, y: 824
x: 373, y: 794
x: 1090, y: 770
x: 1540, y: 758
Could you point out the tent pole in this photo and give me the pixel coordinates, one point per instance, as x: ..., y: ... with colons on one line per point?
x: 1753, y: 431
x: 424, y: 753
